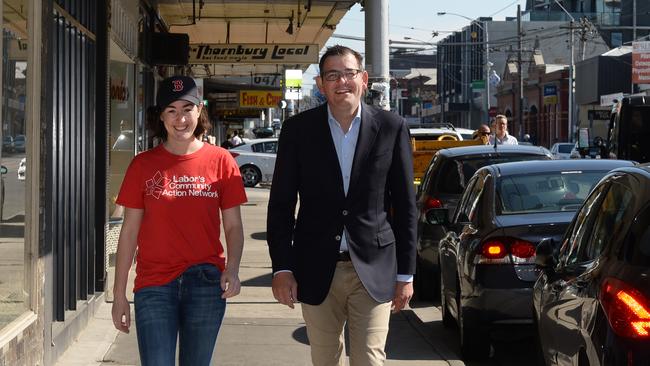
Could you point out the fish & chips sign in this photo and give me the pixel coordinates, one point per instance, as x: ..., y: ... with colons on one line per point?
x: 253, y: 53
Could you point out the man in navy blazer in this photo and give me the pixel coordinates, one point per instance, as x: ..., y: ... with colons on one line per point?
x: 349, y: 254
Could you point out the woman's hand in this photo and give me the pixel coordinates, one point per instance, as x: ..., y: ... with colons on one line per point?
x: 121, y: 312
x: 230, y: 283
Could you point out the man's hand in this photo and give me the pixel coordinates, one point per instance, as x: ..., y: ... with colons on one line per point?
x: 285, y: 288
x: 230, y: 283
x: 403, y: 294
x: 121, y: 312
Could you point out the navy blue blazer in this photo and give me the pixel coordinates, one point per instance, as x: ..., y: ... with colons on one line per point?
x: 378, y: 212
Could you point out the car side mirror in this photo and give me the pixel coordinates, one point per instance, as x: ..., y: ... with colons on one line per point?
x: 3, y: 169
x: 437, y: 216
x: 545, y: 254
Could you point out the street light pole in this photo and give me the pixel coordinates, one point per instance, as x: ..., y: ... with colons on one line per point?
x: 571, y: 72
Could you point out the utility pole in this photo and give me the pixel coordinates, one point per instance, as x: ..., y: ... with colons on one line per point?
x: 487, y: 73
x: 520, y: 109
x: 633, y: 20
x: 441, y: 57
x: 571, y: 97
x: 377, y: 61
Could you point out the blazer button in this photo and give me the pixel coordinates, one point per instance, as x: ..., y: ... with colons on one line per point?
x: 345, y: 212
x: 337, y: 238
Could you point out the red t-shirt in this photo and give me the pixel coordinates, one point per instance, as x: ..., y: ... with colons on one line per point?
x: 181, y: 196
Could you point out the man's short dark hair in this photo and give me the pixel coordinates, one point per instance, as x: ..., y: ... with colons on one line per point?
x: 339, y: 50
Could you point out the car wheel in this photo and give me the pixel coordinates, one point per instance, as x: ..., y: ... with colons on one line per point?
x: 251, y: 175
x: 474, y: 340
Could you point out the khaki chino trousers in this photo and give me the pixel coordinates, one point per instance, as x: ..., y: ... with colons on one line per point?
x: 367, y: 321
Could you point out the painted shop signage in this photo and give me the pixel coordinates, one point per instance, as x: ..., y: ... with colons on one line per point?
x: 253, y: 53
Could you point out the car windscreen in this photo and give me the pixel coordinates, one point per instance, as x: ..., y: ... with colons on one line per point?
x: 544, y: 192
x: 455, y: 174
x: 565, y: 148
x: 637, y: 243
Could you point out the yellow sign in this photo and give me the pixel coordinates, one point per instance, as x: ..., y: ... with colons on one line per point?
x: 259, y: 98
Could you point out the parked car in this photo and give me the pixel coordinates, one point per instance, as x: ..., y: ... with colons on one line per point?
x: 256, y: 160
x: 487, y: 257
x: 562, y: 150
x: 19, y: 143
x: 22, y: 167
x: 592, y: 299
x: 8, y: 144
x: 443, y: 184
x: 439, y: 131
x: 263, y: 132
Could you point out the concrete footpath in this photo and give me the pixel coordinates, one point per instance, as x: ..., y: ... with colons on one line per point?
x: 256, y: 329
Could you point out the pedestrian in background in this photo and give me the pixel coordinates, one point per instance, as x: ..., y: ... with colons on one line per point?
x: 482, y: 134
x: 349, y: 256
x: 501, y: 132
x: 174, y: 197
x: 235, y: 140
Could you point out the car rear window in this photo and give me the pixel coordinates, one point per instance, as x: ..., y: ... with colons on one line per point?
x: 565, y: 149
x: 637, y: 243
x: 545, y: 192
x: 449, y: 179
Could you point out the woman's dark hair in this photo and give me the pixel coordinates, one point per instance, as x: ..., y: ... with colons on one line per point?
x: 339, y: 50
x: 157, y: 128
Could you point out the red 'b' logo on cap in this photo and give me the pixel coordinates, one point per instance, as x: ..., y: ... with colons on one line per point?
x: 177, y: 85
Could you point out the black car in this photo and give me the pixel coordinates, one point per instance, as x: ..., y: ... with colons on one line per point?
x: 592, y: 299
x: 443, y: 184
x: 487, y: 259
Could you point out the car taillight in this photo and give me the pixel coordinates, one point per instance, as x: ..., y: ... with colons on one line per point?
x: 627, y: 310
x: 234, y: 154
x: 522, y: 249
x: 496, y: 251
x: 430, y: 203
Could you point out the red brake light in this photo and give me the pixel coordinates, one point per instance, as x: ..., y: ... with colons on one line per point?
x: 432, y: 203
x: 234, y: 154
x: 494, y: 250
x: 522, y: 249
x: 627, y: 310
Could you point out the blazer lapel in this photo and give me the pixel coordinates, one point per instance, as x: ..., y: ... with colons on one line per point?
x: 330, y: 160
x: 367, y: 134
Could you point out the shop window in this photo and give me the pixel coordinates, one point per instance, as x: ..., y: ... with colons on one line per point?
x: 14, y: 289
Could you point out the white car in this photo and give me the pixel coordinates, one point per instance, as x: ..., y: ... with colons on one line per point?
x: 22, y: 167
x: 562, y: 150
x: 256, y: 160
x: 440, y: 133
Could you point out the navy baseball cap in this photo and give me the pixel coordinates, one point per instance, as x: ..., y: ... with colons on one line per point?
x: 177, y: 88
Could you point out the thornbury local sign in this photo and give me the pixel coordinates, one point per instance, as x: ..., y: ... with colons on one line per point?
x: 253, y: 53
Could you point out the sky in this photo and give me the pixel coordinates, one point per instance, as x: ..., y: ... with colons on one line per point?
x: 418, y: 20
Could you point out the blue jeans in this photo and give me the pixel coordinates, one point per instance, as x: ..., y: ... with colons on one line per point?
x: 189, y: 307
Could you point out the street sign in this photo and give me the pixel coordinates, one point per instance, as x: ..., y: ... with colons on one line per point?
x: 599, y: 115
x: 641, y: 62
x: 478, y: 84
x: 253, y: 53
x: 550, y: 94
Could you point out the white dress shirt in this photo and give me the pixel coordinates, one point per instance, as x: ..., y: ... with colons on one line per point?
x: 345, y: 144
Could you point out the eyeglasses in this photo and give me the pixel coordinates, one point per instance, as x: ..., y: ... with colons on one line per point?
x: 334, y: 75
x: 484, y: 133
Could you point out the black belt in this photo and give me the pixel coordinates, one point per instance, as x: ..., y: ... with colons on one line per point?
x: 343, y: 257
